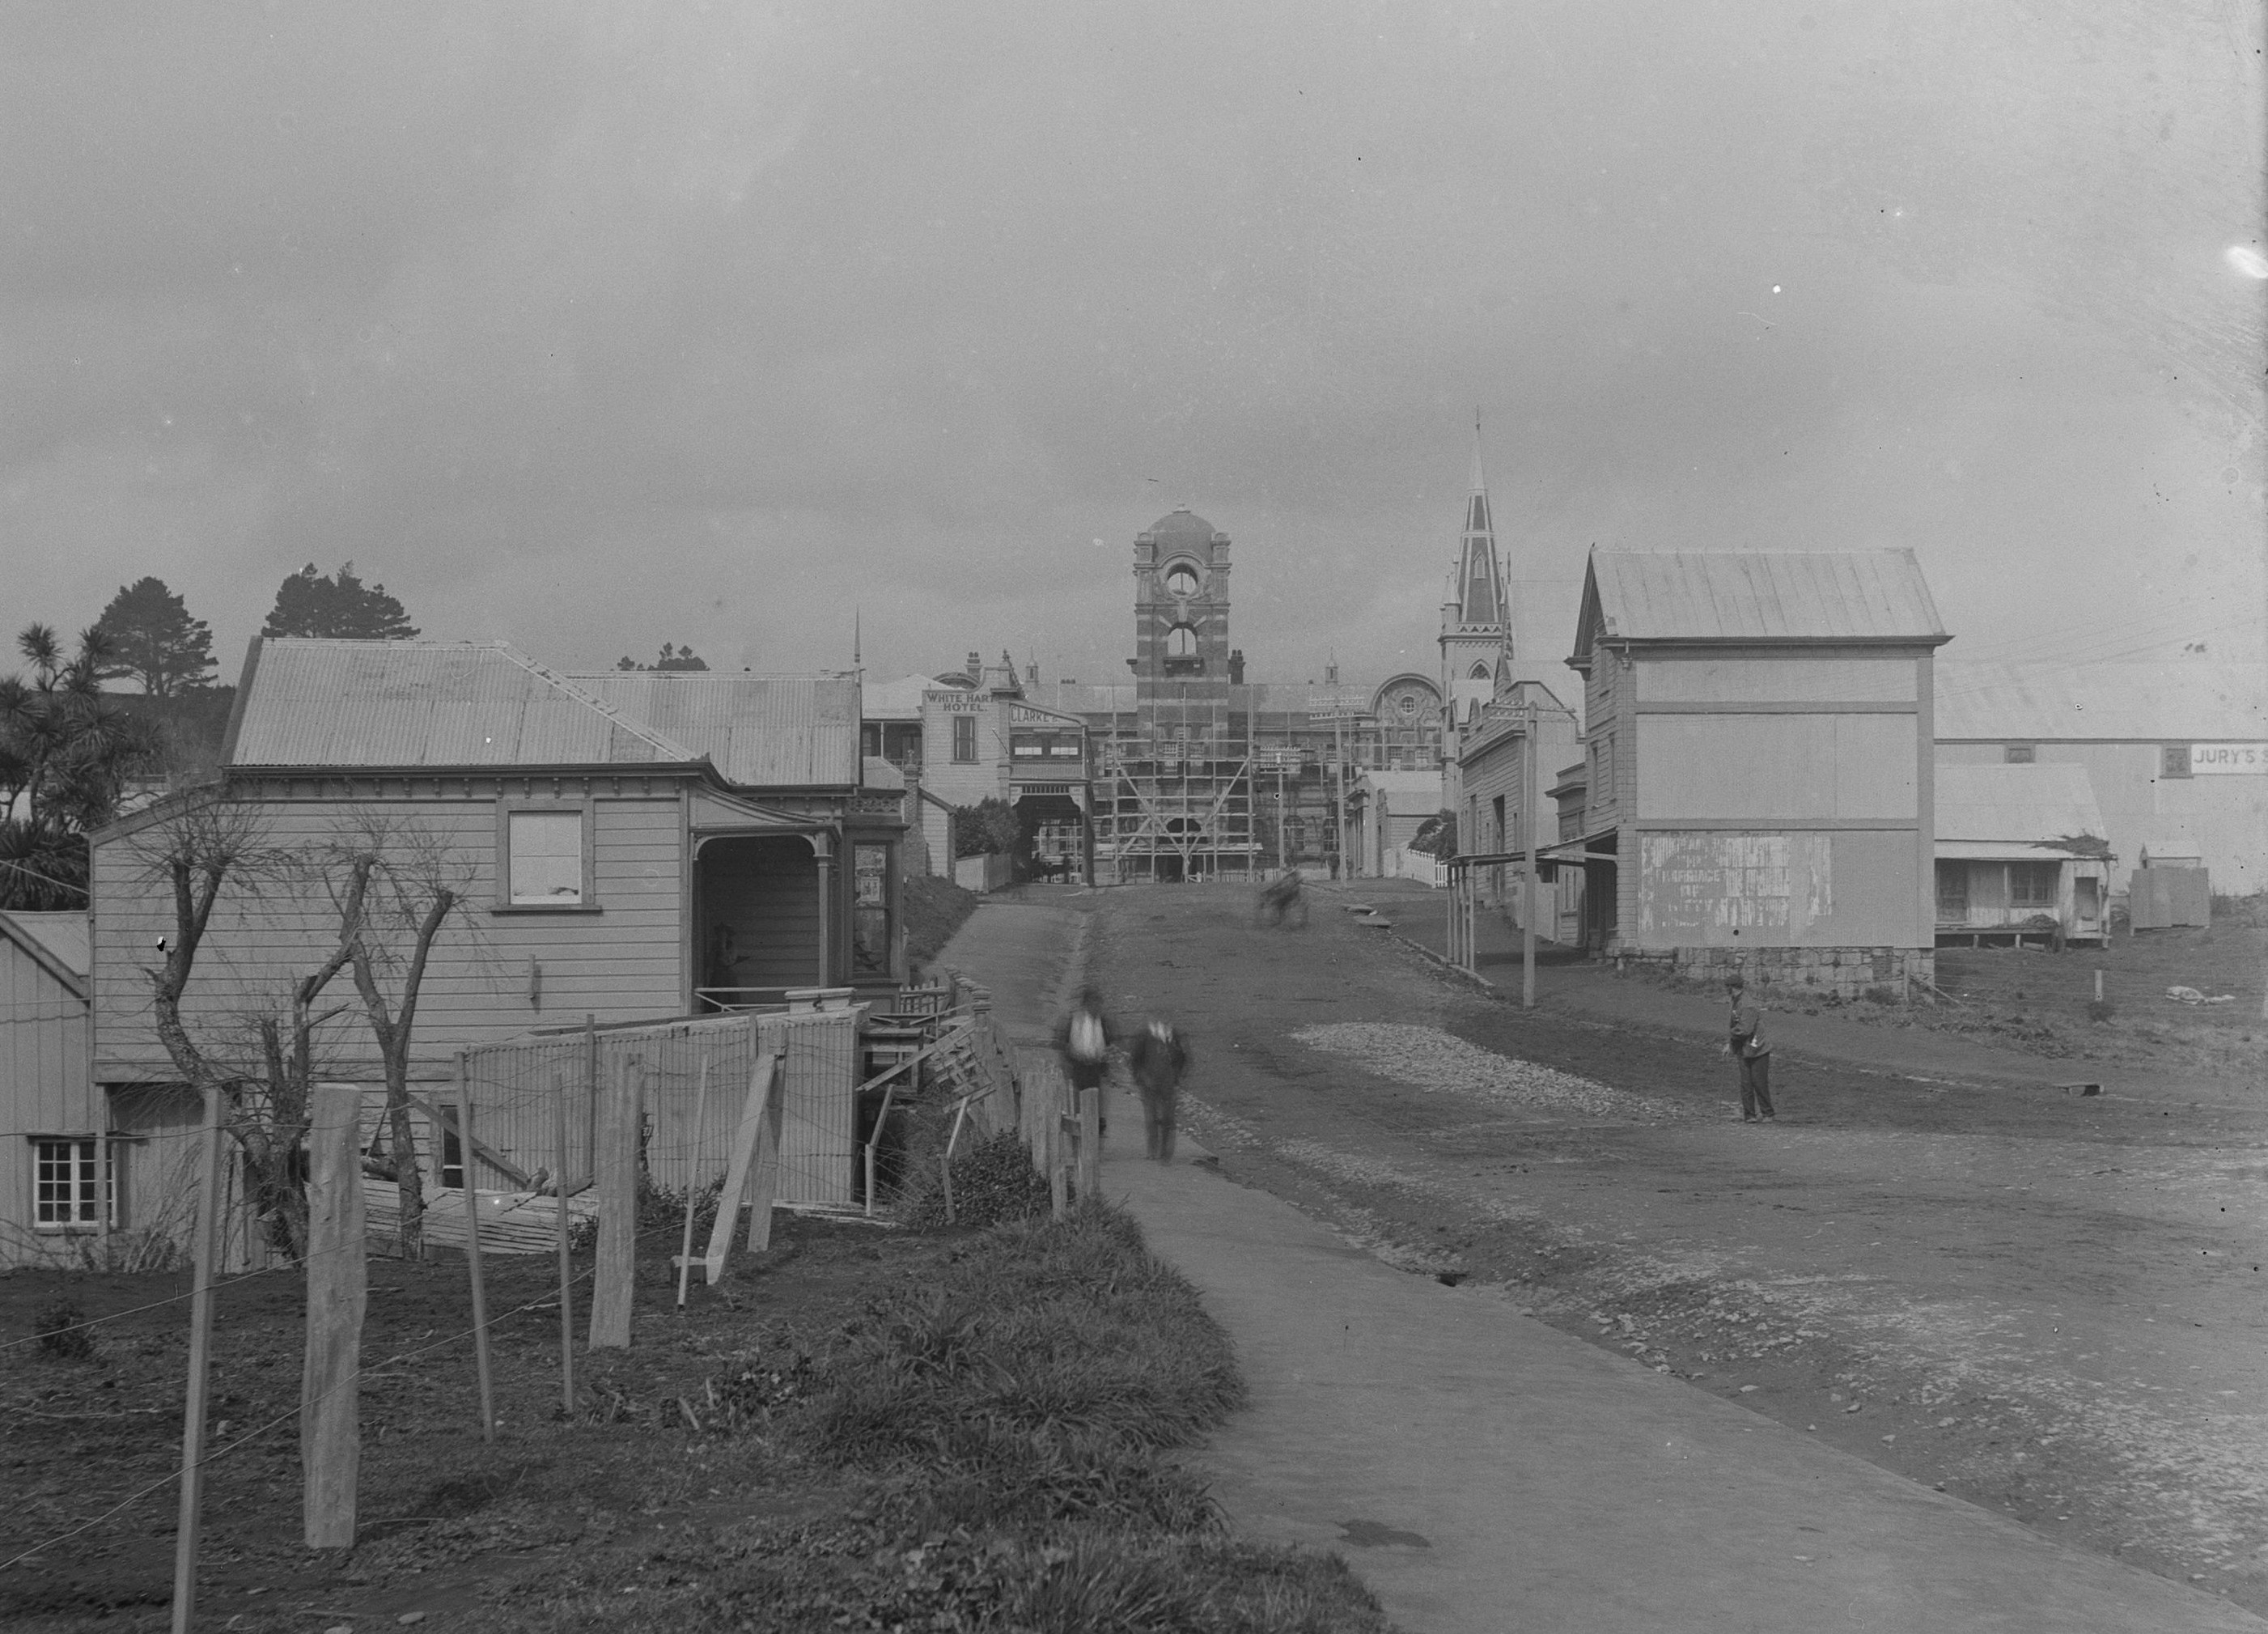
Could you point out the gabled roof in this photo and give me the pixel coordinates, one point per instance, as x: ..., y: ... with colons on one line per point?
x: 2185, y: 701
x: 58, y: 942
x: 398, y: 703
x: 762, y: 731
x: 1755, y: 595
x: 2017, y: 805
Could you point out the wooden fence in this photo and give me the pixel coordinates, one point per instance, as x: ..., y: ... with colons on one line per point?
x: 516, y: 1089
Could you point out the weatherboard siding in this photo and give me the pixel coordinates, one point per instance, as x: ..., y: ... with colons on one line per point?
x: 494, y: 972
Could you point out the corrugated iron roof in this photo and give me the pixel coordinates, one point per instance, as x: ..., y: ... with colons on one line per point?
x: 2184, y: 702
x: 895, y: 700
x: 764, y: 731
x: 2016, y: 804
x: 65, y: 938
x: 314, y: 703
x: 1763, y: 596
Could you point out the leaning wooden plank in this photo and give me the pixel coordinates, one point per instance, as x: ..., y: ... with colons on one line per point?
x: 736, y: 1169
x: 487, y: 1153
x: 764, y: 1182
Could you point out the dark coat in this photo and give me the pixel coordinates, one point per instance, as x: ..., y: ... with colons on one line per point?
x: 1159, y: 1064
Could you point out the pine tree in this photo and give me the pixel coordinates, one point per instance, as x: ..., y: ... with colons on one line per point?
x: 153, y: 640
x: 66, y: 754
x: 672, y: 658
x: 339, y: 607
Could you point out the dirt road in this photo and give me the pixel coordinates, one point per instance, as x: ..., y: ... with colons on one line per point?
x: 2044, y: 1304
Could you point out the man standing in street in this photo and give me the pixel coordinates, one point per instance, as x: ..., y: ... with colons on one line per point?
x: 1158, y: 1058
x: 1751, y: 1050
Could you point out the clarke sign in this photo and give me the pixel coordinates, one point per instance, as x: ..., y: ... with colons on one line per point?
x: 2206, y: 759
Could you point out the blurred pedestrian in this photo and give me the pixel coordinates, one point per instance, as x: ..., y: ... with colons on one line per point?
x: 1751, y: 1051
x: 1158, y: 1058
x: 1083, y: 1041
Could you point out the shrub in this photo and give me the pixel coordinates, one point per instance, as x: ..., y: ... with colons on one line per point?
x: 2101, y: 1009
x: 994, y: 1180
x: 61, y: 1327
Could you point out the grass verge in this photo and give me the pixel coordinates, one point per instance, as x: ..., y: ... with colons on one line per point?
x: 985, y: 1447
x: 935, y: 908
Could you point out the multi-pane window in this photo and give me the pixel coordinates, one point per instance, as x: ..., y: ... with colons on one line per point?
x: 2033, y: 884
x: 544, y: 859
x: 2174, y: 761
x: 2019, y: 754
x: 67, y: 1184
x: 964, y: 740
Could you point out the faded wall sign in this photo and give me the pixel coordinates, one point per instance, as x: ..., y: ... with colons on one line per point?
x: 2211, y: 759
x: 1698, y: 883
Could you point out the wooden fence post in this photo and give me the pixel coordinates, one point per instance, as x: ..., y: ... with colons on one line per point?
x: 1090, y: 1145
x: 693, y: 1183
x: 614, y: 1283
x: 330, y: 1389
x: 473, y: 1251
x: 207, y: 1246
x: 566, y: 1278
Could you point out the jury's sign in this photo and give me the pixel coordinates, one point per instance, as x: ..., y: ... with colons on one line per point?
x: 2209, y: 759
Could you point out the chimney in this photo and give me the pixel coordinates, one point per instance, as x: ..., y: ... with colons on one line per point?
x: 1236, y: 666
x: 976, y: 666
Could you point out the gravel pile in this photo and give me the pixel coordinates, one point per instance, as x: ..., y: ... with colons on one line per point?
x: 1430, y: 1058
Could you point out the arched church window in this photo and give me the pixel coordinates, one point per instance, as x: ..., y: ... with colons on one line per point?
x: 1180, y: 642
x: 1181, y: 581
x: 1480, y: 672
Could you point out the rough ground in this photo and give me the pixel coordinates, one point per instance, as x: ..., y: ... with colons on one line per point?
x: 446, y: 1525
x: 2044, y: 1302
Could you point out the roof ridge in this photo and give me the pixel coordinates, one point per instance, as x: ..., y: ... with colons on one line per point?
x: 667, y: 746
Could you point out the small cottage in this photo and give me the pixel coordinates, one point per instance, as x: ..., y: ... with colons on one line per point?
x: 625, y: 849
x: 2021, y: 856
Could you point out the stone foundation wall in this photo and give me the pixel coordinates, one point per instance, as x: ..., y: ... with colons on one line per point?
x: 1883, y: 973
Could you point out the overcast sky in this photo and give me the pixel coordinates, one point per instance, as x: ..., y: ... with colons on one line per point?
x: 596, y: 327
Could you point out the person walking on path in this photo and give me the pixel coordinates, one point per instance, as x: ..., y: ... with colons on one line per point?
x: 1158, y: 1059
x: 1751, y: 1050
x: 1083, y: 1041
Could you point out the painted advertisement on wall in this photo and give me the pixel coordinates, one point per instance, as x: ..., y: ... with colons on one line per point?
x: 1702, y: 888
x: 2224, y: 759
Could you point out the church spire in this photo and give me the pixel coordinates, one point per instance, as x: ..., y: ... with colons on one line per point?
x: 1478, y: 591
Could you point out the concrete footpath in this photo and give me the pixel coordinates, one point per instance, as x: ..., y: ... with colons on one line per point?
x: 1486, y: 1472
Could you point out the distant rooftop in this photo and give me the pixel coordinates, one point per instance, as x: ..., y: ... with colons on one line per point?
x: 762, y: 731
x: 2182, y: 701
x: 1714, y: 596
x: 399, y: 704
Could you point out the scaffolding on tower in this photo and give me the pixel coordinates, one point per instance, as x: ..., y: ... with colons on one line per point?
x: 1177, y: 806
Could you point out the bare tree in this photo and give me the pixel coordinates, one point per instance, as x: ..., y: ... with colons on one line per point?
x: 392, y: 887
x: 205, y: 847
x: 397, y: 888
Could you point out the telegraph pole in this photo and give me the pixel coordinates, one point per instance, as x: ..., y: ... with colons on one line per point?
x: 1527, y: 871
